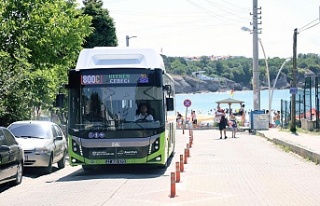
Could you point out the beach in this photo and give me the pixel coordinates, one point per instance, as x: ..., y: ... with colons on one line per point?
x: 205, y: 103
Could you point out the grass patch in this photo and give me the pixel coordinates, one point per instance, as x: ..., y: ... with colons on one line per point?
x: 284, y: 148
x: 300, y: 130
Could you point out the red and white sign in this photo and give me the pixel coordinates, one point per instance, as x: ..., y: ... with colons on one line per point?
x: 187, y: 103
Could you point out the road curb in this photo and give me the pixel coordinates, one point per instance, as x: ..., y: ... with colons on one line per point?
x: 299, y: 150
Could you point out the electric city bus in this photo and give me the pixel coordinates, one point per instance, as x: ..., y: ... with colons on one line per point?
x: 105, y: 91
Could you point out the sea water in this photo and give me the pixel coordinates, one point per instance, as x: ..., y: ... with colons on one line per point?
x: 204, y: 103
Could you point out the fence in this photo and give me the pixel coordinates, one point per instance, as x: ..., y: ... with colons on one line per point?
x: 307, y: 103
x: 285, y: 113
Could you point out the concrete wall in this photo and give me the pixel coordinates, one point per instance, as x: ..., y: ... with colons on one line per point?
x: 308, y: 124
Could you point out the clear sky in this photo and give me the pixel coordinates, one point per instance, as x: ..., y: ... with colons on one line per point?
x: 213, y: 27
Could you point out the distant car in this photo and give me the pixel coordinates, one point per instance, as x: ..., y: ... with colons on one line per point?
x: 43, y: 142
x: 11, y: 158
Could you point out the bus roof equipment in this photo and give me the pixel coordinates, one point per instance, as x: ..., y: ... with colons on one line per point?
x: 117, y: 57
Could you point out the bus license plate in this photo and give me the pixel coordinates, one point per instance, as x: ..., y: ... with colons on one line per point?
x: 119, y: 161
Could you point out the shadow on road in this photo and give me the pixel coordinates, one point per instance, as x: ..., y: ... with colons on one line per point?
x: 117, y: 172
x: 35, y: 172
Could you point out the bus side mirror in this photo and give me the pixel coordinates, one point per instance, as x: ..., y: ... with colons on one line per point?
x: 168, y: 89
x: 169, y: 102
x: 59, y: 100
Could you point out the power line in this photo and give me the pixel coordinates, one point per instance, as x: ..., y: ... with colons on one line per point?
x: 306, y: 27
x: 241, y: 8
x: 209, y: 12
x: 227, y: 10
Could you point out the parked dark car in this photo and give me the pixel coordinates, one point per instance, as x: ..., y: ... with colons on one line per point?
x: 11, y: 158
x: 43, y: 142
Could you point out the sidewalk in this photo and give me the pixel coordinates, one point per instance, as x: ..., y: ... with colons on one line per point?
x: 246, y: 170
x: 305, y: 145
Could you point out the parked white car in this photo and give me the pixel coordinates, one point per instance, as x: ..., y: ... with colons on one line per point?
x: 43, y: 142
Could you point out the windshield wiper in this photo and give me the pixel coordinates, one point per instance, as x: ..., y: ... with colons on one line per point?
x: 95, y: 125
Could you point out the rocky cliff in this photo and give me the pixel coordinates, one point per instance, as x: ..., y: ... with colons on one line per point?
x: 188, y: 84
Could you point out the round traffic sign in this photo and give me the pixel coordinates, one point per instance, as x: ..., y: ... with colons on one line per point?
x: 187, y: 102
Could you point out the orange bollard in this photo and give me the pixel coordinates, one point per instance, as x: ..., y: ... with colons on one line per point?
x: 188, y: 150
x: 185, y: 156
x: 173, y: 185
x: 181, y: 163
x: 177, y: 172
x: 190, y: 142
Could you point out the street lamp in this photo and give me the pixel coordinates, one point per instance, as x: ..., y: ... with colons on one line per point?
x: 268, y: 76
x: 127, y: 39
x: 275, y: 81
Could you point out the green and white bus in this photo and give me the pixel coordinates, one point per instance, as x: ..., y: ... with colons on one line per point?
x: 105, y: 90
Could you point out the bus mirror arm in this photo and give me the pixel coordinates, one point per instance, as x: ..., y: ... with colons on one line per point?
x: 168, y: 89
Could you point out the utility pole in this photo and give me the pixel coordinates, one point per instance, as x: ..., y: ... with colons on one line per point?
x: 255, y: 70
x: 294, y: 83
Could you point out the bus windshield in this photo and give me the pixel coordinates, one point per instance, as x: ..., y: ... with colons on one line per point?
x: 115, y: 107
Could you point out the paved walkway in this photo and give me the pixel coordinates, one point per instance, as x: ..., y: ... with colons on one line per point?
x: 303, y: 144
x: 246, y: 170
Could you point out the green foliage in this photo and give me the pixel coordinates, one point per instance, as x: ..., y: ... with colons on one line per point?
x: 177, y: 67
x: 39, y: 41
x: 14, y: 89
x: 239, y: 69
x: 104, y: 29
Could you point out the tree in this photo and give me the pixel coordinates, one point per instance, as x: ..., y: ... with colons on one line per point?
x: 219, y: 67
x: 178, y: 67
x: 104, y: 30
x: 13, y: 104
x: 39, y: 41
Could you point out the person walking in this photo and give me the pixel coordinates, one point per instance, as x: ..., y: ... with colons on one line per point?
x: 179, y: 120
x: 221, y: 119
x: 242, y: 112
x: 194, y: 119
x: 223, y: 126
x: 277, y: 118
x: 234, y: 125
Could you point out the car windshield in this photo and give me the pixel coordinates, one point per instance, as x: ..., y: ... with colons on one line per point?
x: 31, y: 131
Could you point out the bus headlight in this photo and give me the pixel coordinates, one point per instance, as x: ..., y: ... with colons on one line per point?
x: 154, y: 147
x: 76, y: 148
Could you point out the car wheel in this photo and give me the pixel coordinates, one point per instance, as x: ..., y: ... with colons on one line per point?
x: 48, y: 169
x: 62, y: 162
x: 18, y: 175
